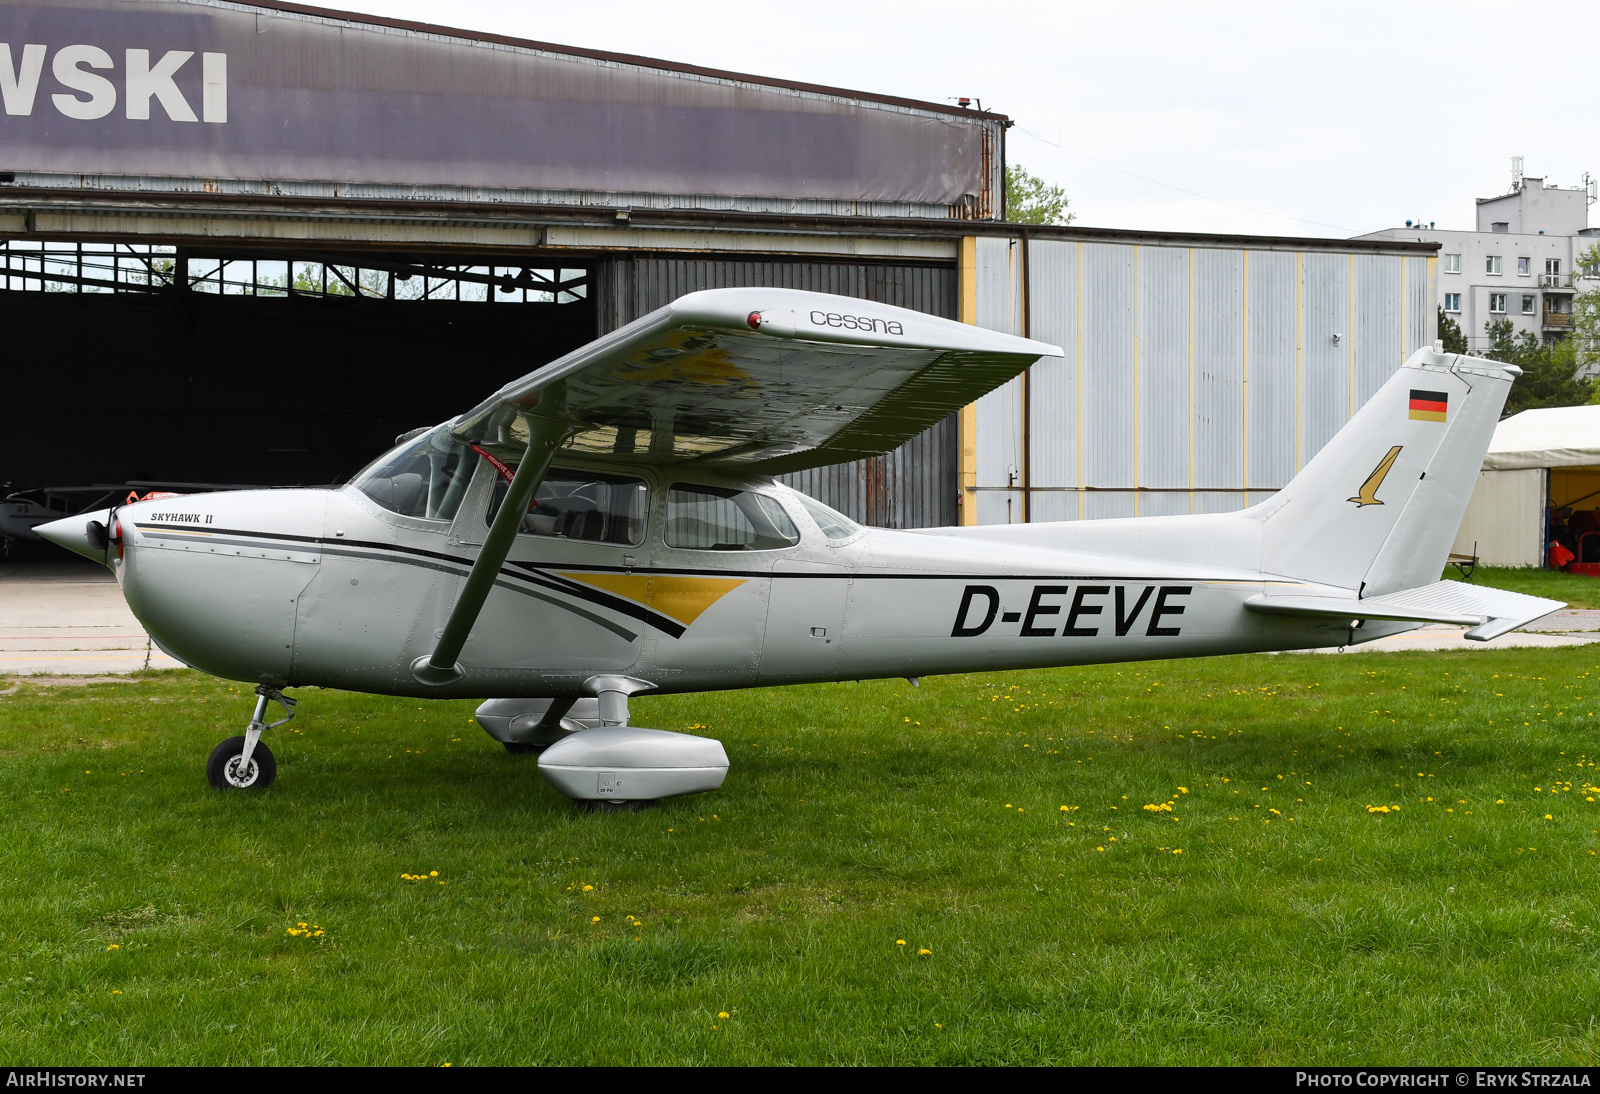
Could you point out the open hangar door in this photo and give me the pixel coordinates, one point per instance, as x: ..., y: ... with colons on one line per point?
x: 141, y: 362
x: 914, y: 486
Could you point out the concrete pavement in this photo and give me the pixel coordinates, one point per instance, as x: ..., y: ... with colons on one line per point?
x: 69, y: 618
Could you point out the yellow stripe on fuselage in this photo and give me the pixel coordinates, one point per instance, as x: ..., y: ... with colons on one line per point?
x: 680, y: 598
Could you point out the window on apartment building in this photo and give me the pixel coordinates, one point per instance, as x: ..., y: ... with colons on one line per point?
x: 1491, y: 265
x: 1452, y: 263
x: 1497, y: 303
x: 1523, y: 265
x: 1528, y: 304
x: 1452, y: 301
x: 1552, y: 266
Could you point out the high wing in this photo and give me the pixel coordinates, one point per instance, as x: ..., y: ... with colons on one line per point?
x: 771, y: 380
x: 768, y: 380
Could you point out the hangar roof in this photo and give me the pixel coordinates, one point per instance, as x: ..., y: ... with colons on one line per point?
x: 278, y: 98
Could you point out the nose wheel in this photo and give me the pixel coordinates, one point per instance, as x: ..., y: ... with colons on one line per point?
x: 227, y: 769
x: 244, y: 763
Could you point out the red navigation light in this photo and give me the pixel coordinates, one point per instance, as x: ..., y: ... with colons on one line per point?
x: 754, y: 319
x: 116, y: 536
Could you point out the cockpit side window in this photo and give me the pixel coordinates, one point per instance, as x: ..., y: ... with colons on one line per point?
x: 584, y: 505
x: 425, y: 477
x: 712, y: 518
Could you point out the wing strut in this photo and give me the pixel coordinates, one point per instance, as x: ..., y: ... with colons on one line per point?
x: 545, y: 436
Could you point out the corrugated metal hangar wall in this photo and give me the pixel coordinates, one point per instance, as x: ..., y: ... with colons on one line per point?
x: 1197, y: 378
x: 912, y: 487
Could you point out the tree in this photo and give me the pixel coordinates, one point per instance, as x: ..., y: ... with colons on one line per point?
x: 1450, y: 334
x: 1585, y: 336
x: 1548, y: 371
x: 1030, y: 200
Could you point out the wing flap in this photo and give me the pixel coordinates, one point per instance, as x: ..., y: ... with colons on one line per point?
x: 769, y: 380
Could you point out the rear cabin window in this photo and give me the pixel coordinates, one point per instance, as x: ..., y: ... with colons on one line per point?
x: 584, y: 505
x: 425, y: 477
x: 711, y: 518
x: 834, y: 525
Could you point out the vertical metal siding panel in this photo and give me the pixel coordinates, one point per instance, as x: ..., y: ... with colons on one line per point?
x: 1163, y: 377
x: 1272, y: 367
x: 999, y: 412
x: 913, y: 487
x: 1053, y: 395
x: 1108, y: 333
x: 1421, y: 316
x: 1325, y: 399
x: 1377, y: 334
x: 1219, y: 375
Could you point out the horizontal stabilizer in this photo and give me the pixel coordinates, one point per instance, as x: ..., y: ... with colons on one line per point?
x: 1489, y: 612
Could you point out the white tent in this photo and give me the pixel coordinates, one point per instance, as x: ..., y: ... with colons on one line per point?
x: 1563, y: 436
x: 1538, y: 457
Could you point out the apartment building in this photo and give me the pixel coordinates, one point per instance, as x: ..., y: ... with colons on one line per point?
x: 1522, y: 263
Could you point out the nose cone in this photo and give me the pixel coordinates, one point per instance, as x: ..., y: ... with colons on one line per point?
x: 83, y: 534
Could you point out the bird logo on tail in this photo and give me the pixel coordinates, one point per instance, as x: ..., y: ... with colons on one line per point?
x: 1368, y: 495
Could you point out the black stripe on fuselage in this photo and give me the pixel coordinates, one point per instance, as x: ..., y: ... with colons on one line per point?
x: 431, y: 560
x: 538, y: 574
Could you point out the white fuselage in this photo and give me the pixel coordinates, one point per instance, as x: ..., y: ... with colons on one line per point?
x: 324, y: 587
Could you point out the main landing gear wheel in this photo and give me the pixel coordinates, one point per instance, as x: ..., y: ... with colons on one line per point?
x: 591, y: 805
x: 522, y: 748
x: 228, y: 770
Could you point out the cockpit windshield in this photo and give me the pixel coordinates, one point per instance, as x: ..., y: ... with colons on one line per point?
x: 424, y: 477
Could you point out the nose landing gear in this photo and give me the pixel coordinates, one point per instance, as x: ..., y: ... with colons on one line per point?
x: 244, y: 763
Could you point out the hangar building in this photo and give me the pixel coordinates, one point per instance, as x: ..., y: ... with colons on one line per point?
x: 251, y: 243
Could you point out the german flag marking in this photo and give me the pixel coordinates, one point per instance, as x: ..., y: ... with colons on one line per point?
x: 1429, y: 406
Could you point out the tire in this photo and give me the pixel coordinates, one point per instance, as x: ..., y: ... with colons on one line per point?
x: 228, y: 752
x: 593, y: 805
x: 520, y: 748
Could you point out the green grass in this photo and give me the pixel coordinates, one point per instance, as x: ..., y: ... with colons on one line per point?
x: 1296, y: 926
x: 1578, y: 591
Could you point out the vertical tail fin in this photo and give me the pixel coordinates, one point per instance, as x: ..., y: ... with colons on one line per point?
x: 1377, y: 508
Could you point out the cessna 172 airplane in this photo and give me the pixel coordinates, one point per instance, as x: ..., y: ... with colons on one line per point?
x: 609, y: 524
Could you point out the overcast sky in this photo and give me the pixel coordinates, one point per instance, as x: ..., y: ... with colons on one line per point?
x: 1324, y: 119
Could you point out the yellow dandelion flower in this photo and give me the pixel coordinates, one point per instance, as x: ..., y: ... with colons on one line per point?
x: 899, y: 942
x: 1177, y: 850
x: 722, y: 1014
x: 118, y: 991
x: 113, y: 946
x: 433, y: 873
x: 1547, y: 816
x: 924, y: 953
